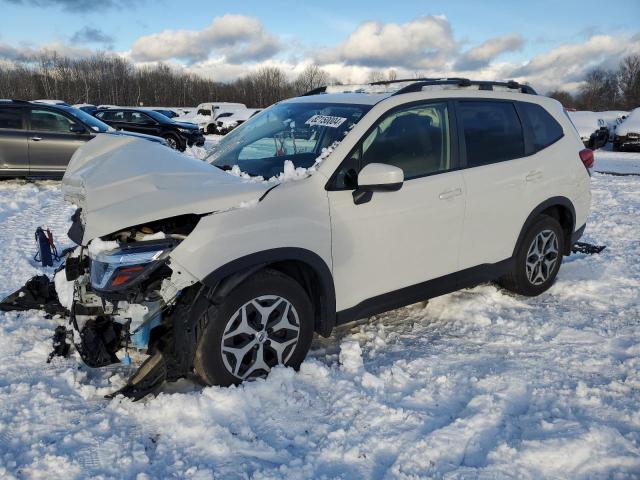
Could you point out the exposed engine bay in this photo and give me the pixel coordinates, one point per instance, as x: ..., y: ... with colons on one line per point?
x: 124, y: 294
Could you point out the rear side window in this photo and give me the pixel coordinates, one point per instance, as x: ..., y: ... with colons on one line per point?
x: 109, y: 115
x: 543, y: 128
x: 10, y: 119
x: 492, y: 132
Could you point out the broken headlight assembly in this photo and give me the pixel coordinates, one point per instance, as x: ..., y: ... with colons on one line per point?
x: 129, y: 264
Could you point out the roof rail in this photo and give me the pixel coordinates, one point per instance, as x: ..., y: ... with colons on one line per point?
x: 9, y: 100
x: 315, y: 91
x: 465, y: 82
x: 416, y: 85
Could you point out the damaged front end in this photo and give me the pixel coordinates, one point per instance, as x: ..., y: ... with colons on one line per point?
x: 125, y: 293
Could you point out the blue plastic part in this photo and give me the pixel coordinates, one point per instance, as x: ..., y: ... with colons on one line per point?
x: 140, y: 338
x: 126, y: 360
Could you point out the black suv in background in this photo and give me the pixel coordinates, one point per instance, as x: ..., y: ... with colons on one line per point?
x: 178, y: 135
x: 38, y: 139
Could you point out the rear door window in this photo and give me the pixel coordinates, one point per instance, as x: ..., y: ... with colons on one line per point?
x: 11, y: 119
x: 543, y: 129
x: 492, y: 132
x: 49, y: 121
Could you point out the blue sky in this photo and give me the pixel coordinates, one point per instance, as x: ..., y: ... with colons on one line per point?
x: 303, y: 31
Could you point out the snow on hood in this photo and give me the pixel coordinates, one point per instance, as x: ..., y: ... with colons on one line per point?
x: 124, y: 181
x: 631, y: 124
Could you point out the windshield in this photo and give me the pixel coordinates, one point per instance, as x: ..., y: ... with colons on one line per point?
x: 93, y: 122
x: 287, y: 131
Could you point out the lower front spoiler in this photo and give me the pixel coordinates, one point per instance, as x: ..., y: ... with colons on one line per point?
x: 173, y: 345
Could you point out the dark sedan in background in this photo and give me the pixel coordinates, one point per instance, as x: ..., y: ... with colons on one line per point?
x: 38, y: 140
x: 178, y: 135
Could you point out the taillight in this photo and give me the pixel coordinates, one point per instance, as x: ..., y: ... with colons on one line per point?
x: 586, y: 156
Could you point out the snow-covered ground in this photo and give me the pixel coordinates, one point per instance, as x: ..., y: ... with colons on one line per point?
x: 477, y: 384
x: 616, y: 162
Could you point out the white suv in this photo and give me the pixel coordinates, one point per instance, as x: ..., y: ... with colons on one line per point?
x: 404, y: 191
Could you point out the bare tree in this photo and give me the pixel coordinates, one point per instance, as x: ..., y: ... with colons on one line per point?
x: 629, y: 82
x: 311, y: 78
x: 376, y: 76
x: 565, y: 98
x: 108, y: 79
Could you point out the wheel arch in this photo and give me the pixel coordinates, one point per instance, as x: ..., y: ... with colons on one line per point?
x: 304, y: 266
x: 560, y: 208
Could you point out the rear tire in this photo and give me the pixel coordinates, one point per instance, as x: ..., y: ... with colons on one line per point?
x: 538, y: 258
x: 264, y: 322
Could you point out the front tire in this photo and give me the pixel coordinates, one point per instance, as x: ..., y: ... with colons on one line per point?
x: 264, y: 322
x: 173, y: 142
x: 538, y: 258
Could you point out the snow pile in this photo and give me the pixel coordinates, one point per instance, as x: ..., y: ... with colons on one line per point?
x: 97, y: 246
x: 64, y: 289
x: 478, y: 384
x: 196, y: 152
x: 351, y: 357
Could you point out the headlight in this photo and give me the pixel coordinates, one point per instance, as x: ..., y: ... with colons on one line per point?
x: 187, y: 131
x: 114, y: 270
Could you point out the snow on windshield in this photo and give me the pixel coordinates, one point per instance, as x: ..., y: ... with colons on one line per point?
x: 285, y: 142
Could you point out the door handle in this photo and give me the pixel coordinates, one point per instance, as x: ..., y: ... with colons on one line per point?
x: 36, y: 139
x: 447, y: 194
x: 533, y: 176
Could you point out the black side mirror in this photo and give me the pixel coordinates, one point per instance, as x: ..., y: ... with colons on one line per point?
x: 75, y: 128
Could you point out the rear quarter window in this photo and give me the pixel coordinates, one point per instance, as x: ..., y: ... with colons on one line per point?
x: 543, y: 129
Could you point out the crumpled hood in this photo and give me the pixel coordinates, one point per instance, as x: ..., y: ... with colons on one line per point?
x: 124, y: 181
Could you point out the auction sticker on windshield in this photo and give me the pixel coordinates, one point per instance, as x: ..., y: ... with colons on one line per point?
x: 325, y: 121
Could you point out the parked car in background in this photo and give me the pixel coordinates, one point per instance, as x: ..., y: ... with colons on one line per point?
x: 591, y: 127
x: 207, y: 114
x: 166, y: 112
x: 52, y: 102
x: 178, y: 135
x: 38, y: 140
x: 86, y: 107
x: 229, y: 120
x: 429, y: 187
x: 627, y: 135
x: 612, y: 119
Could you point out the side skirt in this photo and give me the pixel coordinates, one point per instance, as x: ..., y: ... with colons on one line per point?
x: 425, y: 290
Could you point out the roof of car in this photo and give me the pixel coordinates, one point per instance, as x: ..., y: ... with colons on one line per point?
x: 372, y: 93
x: 348, y: 98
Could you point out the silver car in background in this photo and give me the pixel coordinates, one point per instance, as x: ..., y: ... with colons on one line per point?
x: 38, y: 140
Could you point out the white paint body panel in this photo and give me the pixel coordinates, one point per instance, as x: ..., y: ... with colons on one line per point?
x: 396, y: 240
x: 294, y: 214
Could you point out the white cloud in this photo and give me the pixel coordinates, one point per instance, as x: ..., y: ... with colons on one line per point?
x: 420, y: 42
x: 237, y: 38
x: 486, y: 52
x: 566, y: 65
x: 27, y: 53
x: 235, y: 45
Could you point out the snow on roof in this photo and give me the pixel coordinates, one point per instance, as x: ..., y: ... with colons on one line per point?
x: 631, y: 124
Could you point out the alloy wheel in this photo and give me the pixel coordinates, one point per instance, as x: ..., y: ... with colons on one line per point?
x: 261, y: 334
x: 172, y: 142
x: 542, y: 257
